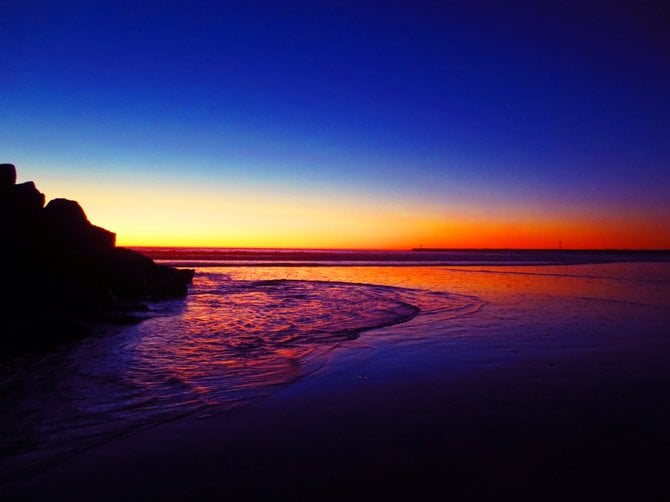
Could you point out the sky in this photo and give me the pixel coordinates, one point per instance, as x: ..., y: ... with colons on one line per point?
x: 345, y: 124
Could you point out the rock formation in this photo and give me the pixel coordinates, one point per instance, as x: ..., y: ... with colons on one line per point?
x: 61, y: 273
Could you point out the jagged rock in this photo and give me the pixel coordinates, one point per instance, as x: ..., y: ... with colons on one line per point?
x: 65, y: 212
x: 26, y: 197
x: 67, y: 226
x: 135, y: 276
x: 7, y: 176
x: 64, y: 272
x: 20, y: 217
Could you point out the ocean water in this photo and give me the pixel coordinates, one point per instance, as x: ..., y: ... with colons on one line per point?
x: 255, y: 321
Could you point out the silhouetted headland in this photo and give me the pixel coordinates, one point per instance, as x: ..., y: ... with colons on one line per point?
x: 62, y: 273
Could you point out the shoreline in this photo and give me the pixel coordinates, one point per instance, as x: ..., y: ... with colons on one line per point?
x: 483, y: 412
x: 355, y: 429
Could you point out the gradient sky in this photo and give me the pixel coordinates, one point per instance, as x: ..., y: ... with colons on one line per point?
x: 336, y: 124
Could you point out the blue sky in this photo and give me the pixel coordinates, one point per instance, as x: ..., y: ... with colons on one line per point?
x: 562, y: 108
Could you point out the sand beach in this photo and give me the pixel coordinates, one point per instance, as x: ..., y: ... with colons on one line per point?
x: 553, y: 387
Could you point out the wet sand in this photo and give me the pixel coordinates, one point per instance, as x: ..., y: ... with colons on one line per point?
x: 546, y: 429
x: 513, y: 406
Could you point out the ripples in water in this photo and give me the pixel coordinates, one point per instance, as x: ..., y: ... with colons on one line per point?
x: 228, y: 342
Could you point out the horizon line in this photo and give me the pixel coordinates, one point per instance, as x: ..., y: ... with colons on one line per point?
x: 421, y: 249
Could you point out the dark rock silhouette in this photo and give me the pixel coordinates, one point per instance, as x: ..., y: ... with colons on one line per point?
x: 62, y: 273
x: 7, y: 175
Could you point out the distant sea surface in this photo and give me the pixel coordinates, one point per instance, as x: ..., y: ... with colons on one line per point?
x: 209, y: 257
x: 257, y: 320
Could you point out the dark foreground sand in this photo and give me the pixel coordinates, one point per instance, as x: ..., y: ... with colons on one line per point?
x: 548, y: 414
x: 554, y: 428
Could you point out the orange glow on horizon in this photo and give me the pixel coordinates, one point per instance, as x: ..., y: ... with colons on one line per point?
x: 371, y: 231
x: 145, y: 214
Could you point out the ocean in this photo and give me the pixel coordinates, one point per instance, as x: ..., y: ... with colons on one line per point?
x: 256, y: 321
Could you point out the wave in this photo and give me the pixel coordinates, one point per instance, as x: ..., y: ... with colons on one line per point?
x: 231, y: 341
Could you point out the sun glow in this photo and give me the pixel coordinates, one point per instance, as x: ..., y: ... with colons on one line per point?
x: 148, y: 213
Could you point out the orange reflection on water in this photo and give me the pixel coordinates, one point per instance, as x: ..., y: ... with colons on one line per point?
x: 632, y: 282
x: 235, y: 337
x: 244, y: 330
